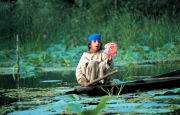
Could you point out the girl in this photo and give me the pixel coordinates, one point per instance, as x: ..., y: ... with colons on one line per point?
x: 94, y: 63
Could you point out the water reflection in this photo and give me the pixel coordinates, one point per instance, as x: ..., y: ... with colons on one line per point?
x: 53, y: 79
x: 67, y: 78
x: 135, y: 72
x: 37, y: 80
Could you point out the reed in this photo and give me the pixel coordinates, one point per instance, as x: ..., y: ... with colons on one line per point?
x: 127, y: 30
x: 120, y: 89
x: 74, y: 26
x: 109, y: 92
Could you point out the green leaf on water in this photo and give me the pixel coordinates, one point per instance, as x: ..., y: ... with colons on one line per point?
x: 168, y: 46
x: 27, y: 68
x: 98, y: 108
x: 117, y: 81
x: 73, y: 107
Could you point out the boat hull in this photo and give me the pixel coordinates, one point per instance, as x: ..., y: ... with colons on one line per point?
x: 164, y: 81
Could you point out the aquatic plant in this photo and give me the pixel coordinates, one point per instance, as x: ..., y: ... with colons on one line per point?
x: 151, y: 102
x: 98, y: 108
x: 76, y: 108
x: 109, y: 92
x: 13, y: 71
x: 120, y: 89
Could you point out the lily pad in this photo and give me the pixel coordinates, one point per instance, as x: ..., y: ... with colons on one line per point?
x: 50, y: 81
x: 152, y: 111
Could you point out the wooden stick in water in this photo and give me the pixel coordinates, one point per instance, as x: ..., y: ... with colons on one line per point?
x: 105, y: 76
x: 17, y: 61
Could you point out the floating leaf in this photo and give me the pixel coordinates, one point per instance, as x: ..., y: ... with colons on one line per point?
x: 168, y: 46
x: 152, y: 111
x: 26, y: 75
x: 73, y: 107
x: 100, y: 106
x: 27, y: 68
x: 51, y: 81
x: 117, y: 81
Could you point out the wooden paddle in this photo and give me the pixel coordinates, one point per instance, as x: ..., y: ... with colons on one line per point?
x: 105, y: 76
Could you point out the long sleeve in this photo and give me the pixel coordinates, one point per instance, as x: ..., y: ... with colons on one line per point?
x: 80, y: 69
x: 105, y: 58
x: 85, y: 58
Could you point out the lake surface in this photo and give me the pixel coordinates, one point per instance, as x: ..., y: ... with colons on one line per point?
x: 58, y: 77
x: 39, y: 93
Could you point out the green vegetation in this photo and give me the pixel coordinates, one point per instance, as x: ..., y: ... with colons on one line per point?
x: 108, y: 92
x: 52, y: 33
x: 77, y: 108
x: 40, y: 23
x: 57, y: 56
x: 98, y: 108
x: 48, y: 101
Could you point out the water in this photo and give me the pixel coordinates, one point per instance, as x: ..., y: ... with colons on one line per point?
x: 67, y: 78
x: 40, y: 92
x: 40, y: 80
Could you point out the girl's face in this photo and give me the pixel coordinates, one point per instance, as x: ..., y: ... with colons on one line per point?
x: 94, y: 46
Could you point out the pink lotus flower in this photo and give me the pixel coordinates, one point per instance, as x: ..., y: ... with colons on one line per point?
x: 110, y: 49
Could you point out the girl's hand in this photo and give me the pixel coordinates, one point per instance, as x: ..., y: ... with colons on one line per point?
x: 109, y: 57
x: 85, y: 84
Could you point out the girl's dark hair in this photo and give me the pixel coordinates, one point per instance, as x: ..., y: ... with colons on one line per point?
x: 99, y: 48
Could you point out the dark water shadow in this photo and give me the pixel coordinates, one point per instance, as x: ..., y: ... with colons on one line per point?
x: 68, y: 78
x: 40, y: 83
x: 39, y: 80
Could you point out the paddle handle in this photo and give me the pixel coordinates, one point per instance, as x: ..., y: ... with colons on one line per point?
x: 105, y: 76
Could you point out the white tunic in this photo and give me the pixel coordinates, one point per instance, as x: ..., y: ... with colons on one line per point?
x: 86, y: 58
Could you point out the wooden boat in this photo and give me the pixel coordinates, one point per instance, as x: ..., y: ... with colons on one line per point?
x: 168, y: 80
